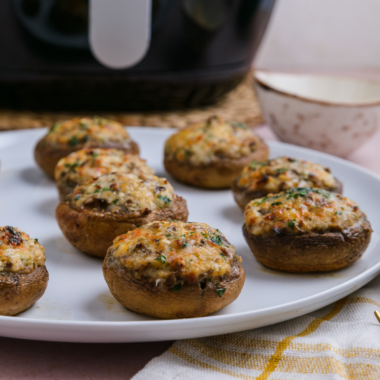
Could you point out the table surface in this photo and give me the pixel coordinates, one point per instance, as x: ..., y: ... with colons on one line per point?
x: 22, y: 359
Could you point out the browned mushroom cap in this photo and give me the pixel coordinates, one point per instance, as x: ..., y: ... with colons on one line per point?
x: 71, y: 135
x: 85, y: 164
x: 18, y: 292
x: 174, y: 270
x: 261, y: 178
x: 113, y: 204
x: 306, y: 230
x: 212, y: 154
x: 23, y: 275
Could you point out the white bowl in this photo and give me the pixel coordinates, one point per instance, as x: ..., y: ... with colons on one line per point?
x: 332, y: 114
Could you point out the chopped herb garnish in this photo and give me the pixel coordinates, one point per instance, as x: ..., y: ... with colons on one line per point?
x: 338, y: 213
x: 281, y: 170
x: 223, y: 255
x: 177, y: 288
x: 115, y: 201
x: 54, y: 127
x: 254, y: 164
x: 261, y: 202
x: 297, y: 192
x: 36, y: 240
x: 73, y: 141
x: 164, y: 198
x: 291, y: 224
x: 276, y: 204
x: 106, y: 189
x: 167, y: 235
x: 97, y: 191
x: 220, y: 291
x: 11, y: 229
x: 216, y: 239
x: 77, y: 197
x: 187, y: 152
x: 72, y: 166
x: 184, y: 245
x: 184, y: 235
x: 161, y: 258
x: 15, y: 240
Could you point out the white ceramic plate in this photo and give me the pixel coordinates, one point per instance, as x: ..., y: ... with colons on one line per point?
x: 78, y: 307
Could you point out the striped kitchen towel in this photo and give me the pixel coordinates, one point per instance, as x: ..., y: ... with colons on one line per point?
x: 340, y: 341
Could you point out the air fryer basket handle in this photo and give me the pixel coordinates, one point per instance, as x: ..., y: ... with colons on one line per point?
x: 120, y: 31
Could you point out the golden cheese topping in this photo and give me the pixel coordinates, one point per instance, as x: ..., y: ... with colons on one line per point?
x: 86, y: 131
x: 174, y: 252
x: 273, y: 176
x: 85, y: 164
x: 123, y: 193
x: 207, y: 142
x: 303, y: 210
x: 18, y: 252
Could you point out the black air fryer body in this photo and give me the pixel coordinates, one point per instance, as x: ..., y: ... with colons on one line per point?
x: 199, y: 50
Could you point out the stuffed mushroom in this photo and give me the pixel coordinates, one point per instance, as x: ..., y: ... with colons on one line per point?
x: 306, y: 230
x: 105, y: 207
x: 212, y: 154
x: 85, y: 164
x: 173, y: 269
x: 69, y: 136
x: 23, y: 275
x: 261, y: 178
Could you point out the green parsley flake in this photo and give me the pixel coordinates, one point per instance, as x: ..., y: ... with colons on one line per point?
x: 216, y: 239
x: 115, y: 201
x: 73, y: 141
x: 164, y: 198
x: 220, y: 291
x: 161, y: 258
x: 177, y: 288
x: 257, y: 203
x: 291, y: 224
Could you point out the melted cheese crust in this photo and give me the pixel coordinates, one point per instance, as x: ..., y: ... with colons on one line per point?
x: 18, y: 252
x: 303, y: 210
x: 281, y: 173
x: 175, y: 252
x: 207, y: 142
x: 85, y: 164
x: 86, y: 131
x: 123, y: 194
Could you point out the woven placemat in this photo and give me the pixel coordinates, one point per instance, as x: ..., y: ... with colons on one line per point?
x: 239, y: 105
